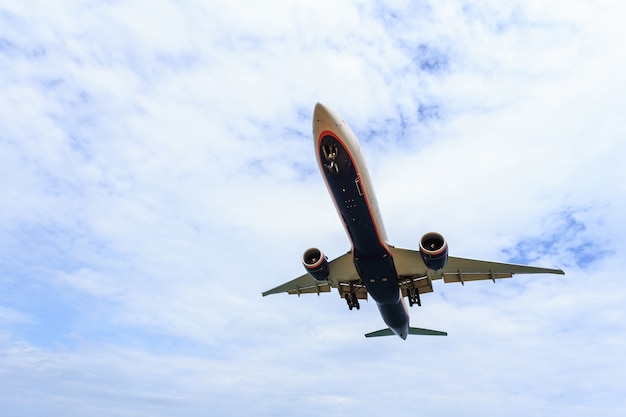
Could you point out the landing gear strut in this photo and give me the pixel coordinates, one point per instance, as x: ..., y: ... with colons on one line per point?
x: 352, y: 300
x: 332, y: 168
x: 414, y: 297
x: 330, y: 154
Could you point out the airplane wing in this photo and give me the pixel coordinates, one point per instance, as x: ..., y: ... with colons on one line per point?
x: 412, y: 273
x: 342, y: 275
x: 410, y: 266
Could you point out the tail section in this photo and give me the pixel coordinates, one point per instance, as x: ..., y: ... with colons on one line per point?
x: 412, y: 330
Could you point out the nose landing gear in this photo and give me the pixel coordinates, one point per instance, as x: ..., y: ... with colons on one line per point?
x: 332, y: 168
x: 330, y: 154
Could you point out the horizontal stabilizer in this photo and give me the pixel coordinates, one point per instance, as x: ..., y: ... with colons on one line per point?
x: 426, y: 332
x: 412, y: 330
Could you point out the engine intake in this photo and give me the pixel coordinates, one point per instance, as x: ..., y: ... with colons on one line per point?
x: 316, y: 264
x: 434, y: 250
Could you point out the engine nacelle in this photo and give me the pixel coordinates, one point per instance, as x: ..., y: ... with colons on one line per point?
x: 316, y: 264
x: 434, y: 250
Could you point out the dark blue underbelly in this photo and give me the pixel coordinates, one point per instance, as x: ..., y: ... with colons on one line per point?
x: 371, y: 256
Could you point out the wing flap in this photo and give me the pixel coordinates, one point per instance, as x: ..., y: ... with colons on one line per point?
x: 473, y: 276
x: 357, y: 287
x: 422, y: 284
x: 316, y: 289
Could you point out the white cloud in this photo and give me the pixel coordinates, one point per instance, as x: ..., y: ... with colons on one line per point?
x: 158, y: 174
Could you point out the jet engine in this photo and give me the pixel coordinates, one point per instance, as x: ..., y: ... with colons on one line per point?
x: 316, y: 264
x: 434, y: 250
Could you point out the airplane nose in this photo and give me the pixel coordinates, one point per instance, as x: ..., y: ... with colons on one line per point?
x: 322, y: 115
x: 320, y: 112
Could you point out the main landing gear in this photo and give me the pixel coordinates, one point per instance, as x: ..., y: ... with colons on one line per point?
x: 414, y: 297
x: 352, y: 301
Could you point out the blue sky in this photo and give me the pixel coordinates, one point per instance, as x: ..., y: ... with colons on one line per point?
x: 157, y: 174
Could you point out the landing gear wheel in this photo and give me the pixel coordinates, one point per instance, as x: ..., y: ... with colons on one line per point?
x: 352, y: 301
x: 414, y: 297
x: 355, y: 301
x: 332, y: 168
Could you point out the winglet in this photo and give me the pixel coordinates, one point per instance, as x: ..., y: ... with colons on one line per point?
x: 412, y: 330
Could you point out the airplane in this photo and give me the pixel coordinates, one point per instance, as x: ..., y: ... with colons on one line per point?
x: 373, y: 267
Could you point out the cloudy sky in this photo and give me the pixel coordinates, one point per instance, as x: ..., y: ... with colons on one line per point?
x: 157, y: 174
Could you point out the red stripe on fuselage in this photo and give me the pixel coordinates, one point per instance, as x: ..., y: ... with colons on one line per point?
x: 364, y: 187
